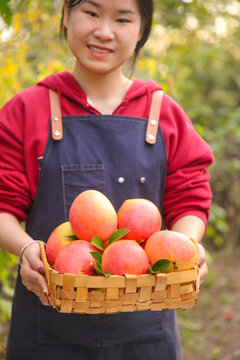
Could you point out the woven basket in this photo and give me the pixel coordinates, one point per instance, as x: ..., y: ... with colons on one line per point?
x: 98, y: 294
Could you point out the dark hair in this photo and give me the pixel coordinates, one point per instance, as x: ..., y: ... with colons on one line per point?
x: 146, y: 9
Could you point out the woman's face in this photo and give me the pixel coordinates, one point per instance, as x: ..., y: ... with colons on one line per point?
x: 102, y: 34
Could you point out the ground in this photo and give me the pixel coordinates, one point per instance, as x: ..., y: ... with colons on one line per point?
x: 211, y: 330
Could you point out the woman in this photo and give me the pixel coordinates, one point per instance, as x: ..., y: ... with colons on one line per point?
x: 102, y: 145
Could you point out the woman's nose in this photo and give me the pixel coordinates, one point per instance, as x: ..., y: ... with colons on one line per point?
x: 104, y: 31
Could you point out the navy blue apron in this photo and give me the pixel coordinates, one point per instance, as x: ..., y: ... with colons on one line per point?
x: 95, y: 151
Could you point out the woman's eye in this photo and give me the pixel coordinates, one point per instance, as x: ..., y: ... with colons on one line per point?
x: 123, y: 21
x: 91, y: 13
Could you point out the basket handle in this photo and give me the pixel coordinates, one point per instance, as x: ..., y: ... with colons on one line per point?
x: 44, y: 261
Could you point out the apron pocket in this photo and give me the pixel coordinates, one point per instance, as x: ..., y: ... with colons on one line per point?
x: 69, y: 329
x: 98, y: 330
x: 78, y: 178
x: 122, y: 328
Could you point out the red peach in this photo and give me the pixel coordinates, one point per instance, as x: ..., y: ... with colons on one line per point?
x: 92, y: 214
x: 75, y: 258
x: 141, y: 217
x: 57, y: 240
x: 174, y: 246
x: 125, y: 257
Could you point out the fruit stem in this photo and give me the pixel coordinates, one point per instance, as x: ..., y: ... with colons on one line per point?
x: 175, y: 265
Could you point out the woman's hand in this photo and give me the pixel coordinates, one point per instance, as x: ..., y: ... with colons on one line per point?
x: 203, y: 269
x: 32, y: 273
x: 12, y: 239
x: 194, y: 228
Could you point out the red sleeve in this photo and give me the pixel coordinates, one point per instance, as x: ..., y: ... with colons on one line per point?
x: 187, y: 189
x: 23, y: 135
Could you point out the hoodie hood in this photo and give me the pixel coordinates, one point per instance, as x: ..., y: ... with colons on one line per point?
x: 65, y: 84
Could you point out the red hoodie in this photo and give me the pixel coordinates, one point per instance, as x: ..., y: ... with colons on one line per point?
x: 24, y: 127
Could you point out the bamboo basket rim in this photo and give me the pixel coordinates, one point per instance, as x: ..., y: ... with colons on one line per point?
x: 167, y: 283
x: 172, y: 277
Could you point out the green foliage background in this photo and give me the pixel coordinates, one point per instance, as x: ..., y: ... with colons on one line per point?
x: 194, y: 53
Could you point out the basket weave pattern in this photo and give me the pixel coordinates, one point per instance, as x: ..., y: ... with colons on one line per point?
x: 97, y: 294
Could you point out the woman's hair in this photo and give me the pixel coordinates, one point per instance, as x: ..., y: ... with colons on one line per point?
x: 146, y: 9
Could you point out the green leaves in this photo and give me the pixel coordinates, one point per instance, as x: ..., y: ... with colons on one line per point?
x: 6, y: 11
x: 98, y: 258
x: 117, y: 235
x: 9, y: 7
x: 160, y: 265
x: 97, y: 242
x: 71, y: 237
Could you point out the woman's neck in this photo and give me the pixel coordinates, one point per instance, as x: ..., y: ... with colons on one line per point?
x: 105, y: 91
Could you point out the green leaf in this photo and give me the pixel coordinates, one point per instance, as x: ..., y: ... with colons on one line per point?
x: 117, y: 235
x: 6, y: 11
x: 71, y: 237
x: 97, y: 242
x: 98, y: 258
x: 100, y: 272
x: 107, y: 274
x: 160, y: 265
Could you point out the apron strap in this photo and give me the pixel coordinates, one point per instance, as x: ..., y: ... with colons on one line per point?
x: 152, y: 125
x: 56, y: 116
x: 153, y: 118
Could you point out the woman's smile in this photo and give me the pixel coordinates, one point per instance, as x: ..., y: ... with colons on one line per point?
x: 99, y: 51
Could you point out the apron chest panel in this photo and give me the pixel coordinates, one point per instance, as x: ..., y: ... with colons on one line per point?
x: 94, y: 152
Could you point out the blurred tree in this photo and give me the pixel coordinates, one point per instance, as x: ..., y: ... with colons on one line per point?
x: 31, y: 47
x: 9, y: 7
x: 6, y: 11
x: 194, y: 52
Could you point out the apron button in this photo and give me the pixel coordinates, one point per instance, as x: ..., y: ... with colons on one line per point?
x: 57, y: 133
x: 151, y: 137
x: 142, y: 180
x: 153, y: 122
x: 121, y: 180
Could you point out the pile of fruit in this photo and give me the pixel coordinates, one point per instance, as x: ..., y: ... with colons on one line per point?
x: 99, y: 240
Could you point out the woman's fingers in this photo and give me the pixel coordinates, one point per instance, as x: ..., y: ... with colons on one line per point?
x: 36, y: 283
x: 32, y: 273
x: 203, y: 268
